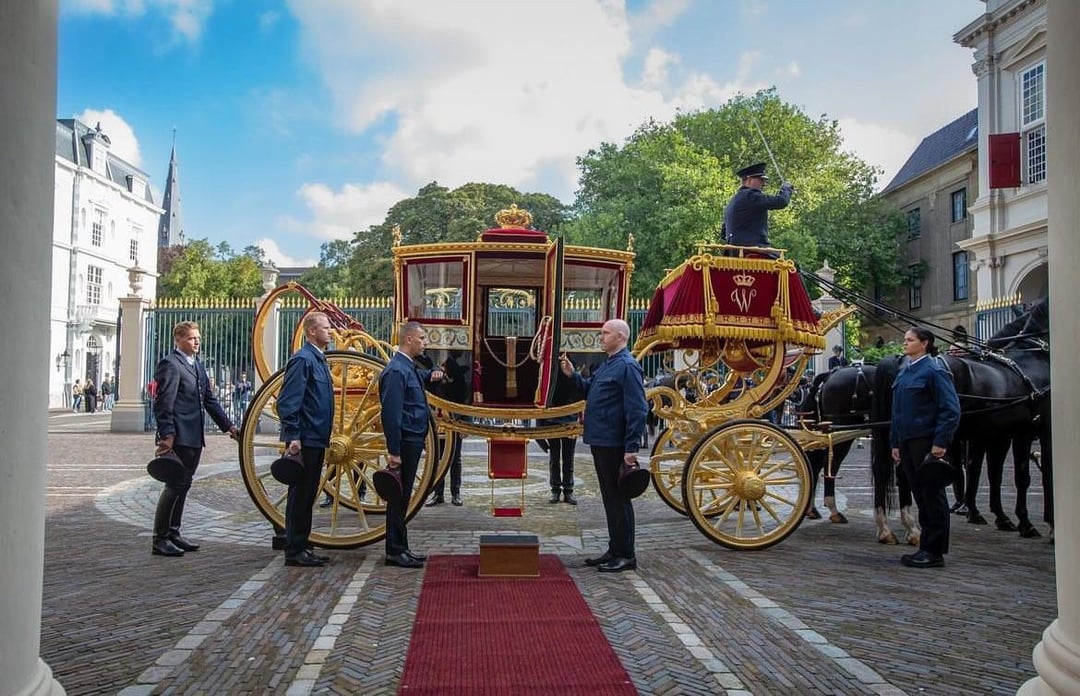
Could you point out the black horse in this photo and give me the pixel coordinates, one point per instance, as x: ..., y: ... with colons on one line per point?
x: 1004, y: 401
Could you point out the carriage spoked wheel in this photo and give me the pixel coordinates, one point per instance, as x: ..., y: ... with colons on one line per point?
x: 746, y: 485
x: 356, y: 515
x: 666, y: 463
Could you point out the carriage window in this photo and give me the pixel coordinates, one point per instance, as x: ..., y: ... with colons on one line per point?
x: 434, y: 289
x: 591, y: 293
x: 511, y: 312
x: 583, y: 306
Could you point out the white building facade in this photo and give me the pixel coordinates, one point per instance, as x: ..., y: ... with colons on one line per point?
x: 1008, y: 246
x: 105, y: 222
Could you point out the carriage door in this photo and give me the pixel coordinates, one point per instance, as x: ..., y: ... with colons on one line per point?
x: 549, y: 332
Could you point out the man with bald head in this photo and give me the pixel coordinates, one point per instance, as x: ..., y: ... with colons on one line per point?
x: 615, y: 410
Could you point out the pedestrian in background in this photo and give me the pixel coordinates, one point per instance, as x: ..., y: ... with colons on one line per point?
x: 76, y: 395
x: 90, y: 396
x: 305, y: 408
x: 925, y: 415
x: 183, y: 397
x: 614, y: 422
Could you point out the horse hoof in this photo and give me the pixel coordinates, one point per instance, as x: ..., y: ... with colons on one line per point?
x: 889, y: 538
x: 975, y: 518
x: 813, y: 514
x: 838, y: 518
x: 1004, y: 524
x: 1028, y: 531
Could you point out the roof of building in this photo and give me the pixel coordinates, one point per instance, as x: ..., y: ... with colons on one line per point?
x: 958, y: 137
x: 71, y: 145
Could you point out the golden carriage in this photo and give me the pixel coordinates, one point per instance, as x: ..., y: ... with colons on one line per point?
x: 498, y: 312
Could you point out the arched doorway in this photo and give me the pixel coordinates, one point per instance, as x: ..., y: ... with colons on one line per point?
x: 1035, y: 284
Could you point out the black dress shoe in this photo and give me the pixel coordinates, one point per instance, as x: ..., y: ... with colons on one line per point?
x: 434, y: 500
x: 618, y: 565
x: 305, y: 559
x: 404, y: 560
x: 456, y: 500
x: 922, y: 559
x: 569, y: 497
x: 606, y: 557
x: 182, y: 543
x: 416, y: 556
x: 554, y: 497
x: 164, y: 547
x: 320, y: 557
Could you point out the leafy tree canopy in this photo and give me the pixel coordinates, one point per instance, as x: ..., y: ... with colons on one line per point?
x: 200, y: 270
x: 668, y: 185
x: 330, y: 278
x: 438, y: 214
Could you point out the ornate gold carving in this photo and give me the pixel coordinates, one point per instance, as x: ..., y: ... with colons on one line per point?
x: 513, y: 217
x: 395, y: 234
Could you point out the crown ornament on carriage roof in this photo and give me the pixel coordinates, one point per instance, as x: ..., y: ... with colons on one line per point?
x: 513, y: 217
x: 744, y: 280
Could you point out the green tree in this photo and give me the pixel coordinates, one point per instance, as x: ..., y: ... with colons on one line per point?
x: 330, y: 278
x: 438, y: 214
x: 202, y: 271
x: 668, y: 184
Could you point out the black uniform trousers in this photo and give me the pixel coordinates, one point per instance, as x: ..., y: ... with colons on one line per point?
x: 455, y: 467
x: 561, y: 463
x: 931, y: 499
x: 618, y: 508
x: 300, y: 500
x: 170, y: 507
x: 397, y: 537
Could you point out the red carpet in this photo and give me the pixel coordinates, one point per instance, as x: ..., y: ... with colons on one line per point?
x: 507, y: 635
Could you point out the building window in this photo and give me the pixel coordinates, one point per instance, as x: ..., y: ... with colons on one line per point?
x: 959, y: 205
x: 1033, y: 122
x: 914, y: 224
x: 914, y: 287
x: 960, y: 276
x: 93, y: 285
x: 97, y: 228
x: 133, y: 250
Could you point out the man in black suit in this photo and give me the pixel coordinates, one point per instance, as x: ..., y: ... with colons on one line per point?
x: 183, y: 396
x: 746, y: 218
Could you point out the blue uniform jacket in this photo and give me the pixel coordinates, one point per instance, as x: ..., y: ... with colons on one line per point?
x: 615, y: 406
x: 405, y: 411
x: 924, y: 403
x: 746, y: 217
x: 306, y: 402
x: 183, y: 392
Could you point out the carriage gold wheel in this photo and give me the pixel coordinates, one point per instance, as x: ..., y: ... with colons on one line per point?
x: 356, y: 515
x: 666, y: 463
x: 746, y: 485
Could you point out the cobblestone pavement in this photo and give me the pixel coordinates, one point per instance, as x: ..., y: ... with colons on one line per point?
x: 828, y: 611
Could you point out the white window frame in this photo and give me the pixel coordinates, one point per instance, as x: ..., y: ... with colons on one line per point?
x: 94, y: 276
x: 97, y: 228
x: 1031, y: 106
x: 133, y: 250
x: 958, y: 215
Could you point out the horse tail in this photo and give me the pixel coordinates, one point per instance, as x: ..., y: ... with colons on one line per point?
x: 882, y: 467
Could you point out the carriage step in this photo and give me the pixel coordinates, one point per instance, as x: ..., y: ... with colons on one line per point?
x: 509, y: 556
x: 507, y: 512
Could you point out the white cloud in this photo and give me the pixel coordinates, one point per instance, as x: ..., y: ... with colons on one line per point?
x: 499, y: 92
x: 878, y: 145
x: 791, y: 70
x: 339, y: 214
x: 186, y: 17
x: 124, y: 144
x: 279, y: 257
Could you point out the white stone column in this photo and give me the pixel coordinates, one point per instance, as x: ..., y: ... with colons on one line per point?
x: 129, y: 413
x: 1057, y: 656
x: 28, y: 112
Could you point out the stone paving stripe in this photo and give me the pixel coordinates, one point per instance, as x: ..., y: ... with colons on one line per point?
x: 686, y: 635
x: 325, y: 642
x: 855, y: 667
x: 179, y: 653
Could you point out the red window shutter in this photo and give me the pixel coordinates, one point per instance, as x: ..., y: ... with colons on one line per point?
x: 1004, y: 160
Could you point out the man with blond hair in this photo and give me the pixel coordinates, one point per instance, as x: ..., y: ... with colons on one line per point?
x: 183, y: 397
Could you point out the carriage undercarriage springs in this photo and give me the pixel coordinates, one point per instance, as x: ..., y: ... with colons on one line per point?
x: 499, y: 311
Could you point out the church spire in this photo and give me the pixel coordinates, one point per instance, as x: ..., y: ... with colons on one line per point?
x: 171, y: 228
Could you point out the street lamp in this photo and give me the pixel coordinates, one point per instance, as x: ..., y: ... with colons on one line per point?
x: 62, y: 360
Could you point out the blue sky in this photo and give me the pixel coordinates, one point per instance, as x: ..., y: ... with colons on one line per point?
x: 300, y: 121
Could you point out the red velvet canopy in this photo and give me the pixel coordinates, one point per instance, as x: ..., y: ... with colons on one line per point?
x: 717, y: 297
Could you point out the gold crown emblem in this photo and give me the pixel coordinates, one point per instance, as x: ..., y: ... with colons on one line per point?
x: 513, y: 217
x: 744, y: 280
